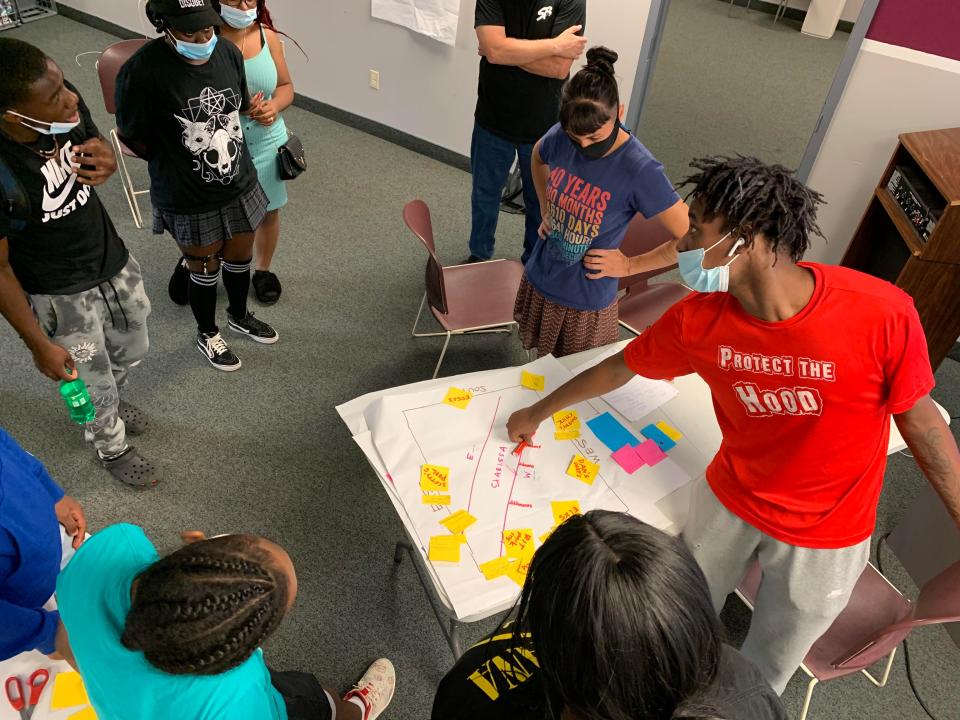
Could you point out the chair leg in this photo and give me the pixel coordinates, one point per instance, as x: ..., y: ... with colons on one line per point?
x: 126, y: 182
x: 443, y: 352
x: 882, y: 682
x: 806, y: 700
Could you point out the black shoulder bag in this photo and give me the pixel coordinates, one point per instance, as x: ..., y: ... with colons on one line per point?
x: 291, y: 157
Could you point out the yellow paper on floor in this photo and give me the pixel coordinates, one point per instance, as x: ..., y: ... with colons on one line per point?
x: 669, y: 431
x: 583, y: 470
x: 564, y: 509
x: 434, y: 478
x: 515, y: 542
x: 531, y: 381
x: 567, y: 434
x: 458, y: 398
x: 566, y: 420
x: 492, y: 569
x: 458, y: 521
x: 68, y: 691
x: 86, y: 714
x: 435, y: 499
x: 445, y: 548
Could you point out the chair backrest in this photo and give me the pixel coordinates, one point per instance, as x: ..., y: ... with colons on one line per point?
x: 416, y: 215
x: 643, y: 235
x: 109, y: 64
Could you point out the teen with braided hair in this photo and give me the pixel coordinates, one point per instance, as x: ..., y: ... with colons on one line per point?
x: 806, y: 363
x: 179, y: 637
x: 592, y: 176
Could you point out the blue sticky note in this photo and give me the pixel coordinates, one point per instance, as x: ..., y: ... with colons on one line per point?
x: 663, y: 441
x: 611, y: 433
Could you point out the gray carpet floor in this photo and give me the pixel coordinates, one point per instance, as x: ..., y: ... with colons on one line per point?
x: 726, y: 84
x: 262, y: 450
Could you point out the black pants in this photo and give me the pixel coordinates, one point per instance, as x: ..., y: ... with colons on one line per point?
x: 303, y: 695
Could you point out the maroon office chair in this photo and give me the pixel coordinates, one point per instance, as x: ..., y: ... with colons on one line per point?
x: 108, y: 66
x: 465, y: 299
x: 874, y: 623
x: 643, y: 303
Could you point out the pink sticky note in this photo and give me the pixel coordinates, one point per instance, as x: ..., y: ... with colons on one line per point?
x: 650, y: 453
x: 627, y: 458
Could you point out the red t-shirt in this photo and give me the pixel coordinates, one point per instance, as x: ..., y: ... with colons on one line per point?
x: 804, y: 404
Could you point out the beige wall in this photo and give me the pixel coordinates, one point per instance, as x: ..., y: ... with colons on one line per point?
x: 891, y: 90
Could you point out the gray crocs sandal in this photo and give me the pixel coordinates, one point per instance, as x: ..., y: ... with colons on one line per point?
x: 133, y: 418
x: 130, y: 468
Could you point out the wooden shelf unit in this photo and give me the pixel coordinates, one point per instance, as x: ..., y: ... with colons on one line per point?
x: 887, y: 245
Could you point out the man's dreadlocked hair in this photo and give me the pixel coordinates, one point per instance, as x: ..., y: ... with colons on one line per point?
x: 768, y: 199
x: 204, y: 609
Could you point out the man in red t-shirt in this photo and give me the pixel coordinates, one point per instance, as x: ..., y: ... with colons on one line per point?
x: 806, y: 363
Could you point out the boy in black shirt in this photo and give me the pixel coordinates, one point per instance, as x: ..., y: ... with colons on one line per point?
x: 615, y: 620
x: 527, y: 48
x: 68, y: 286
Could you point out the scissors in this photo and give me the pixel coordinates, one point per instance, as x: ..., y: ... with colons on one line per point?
x: 18, y: 699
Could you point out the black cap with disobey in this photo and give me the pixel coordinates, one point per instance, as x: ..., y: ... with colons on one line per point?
x: 187, y: 15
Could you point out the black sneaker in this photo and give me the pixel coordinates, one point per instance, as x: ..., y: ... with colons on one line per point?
x: 212, y: 346
x: 254, y: 329
x: 266, y: 286
x: 177, y: 288
x: 472, y: 259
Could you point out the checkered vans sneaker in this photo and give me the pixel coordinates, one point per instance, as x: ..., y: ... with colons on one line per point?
x: 375, y: 688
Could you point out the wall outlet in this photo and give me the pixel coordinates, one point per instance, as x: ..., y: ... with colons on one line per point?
x: 375, y: 79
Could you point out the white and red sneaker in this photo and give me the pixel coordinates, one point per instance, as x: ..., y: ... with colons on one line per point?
x: 375, y: 688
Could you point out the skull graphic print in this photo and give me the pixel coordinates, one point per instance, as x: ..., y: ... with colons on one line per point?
x: 212, y: 134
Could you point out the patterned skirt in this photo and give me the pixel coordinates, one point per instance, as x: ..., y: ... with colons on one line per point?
x: 242, y: 215
x: 561, y: 330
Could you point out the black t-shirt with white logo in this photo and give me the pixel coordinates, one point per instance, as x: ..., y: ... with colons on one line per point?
x: 512, y: 103
x: 186, y: 120
x: 496, y: 680
x: 69, y: 244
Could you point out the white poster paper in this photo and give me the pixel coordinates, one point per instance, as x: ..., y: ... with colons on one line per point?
x: 436, y: 19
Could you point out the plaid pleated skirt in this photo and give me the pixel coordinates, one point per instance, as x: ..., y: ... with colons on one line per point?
x: 561, y: 330
x: 242, y: 215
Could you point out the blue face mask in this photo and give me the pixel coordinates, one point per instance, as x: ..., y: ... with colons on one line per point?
x: 702, y: 279
x: 45, y: 128
x: 237, y: 18
x: 195, y: 51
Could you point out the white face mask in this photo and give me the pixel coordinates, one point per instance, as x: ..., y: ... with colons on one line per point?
x: 237, y: 18
x: 45, y: 128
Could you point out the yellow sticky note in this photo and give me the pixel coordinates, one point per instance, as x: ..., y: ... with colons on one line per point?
x: 458, y: 398
x: 434, y: 478
x: 68, y: 691
x: 670, y: 432
x: 531, y: 381
x: 518, y: 570
x: 567, y: 434
x: 86, y: 714
x: 548, y: 533
x: 435, y: 499
x: 566, y: 420
x: 564, y: 509
x: 583, y: 470
x: 515, y: 542
x: 458, y: 522
x: 444, y: 548
x: 492, y: 569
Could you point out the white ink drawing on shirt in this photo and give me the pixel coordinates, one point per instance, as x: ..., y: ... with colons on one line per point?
x: 62, y: 194
x: 543, y: 13
x: 212, y: 134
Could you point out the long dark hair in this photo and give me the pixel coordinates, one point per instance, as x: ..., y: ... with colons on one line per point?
x: 591, y: 97
x: 621, y: 621
x: 205, y: 608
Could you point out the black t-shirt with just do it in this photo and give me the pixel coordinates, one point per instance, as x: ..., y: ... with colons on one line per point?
x: 511, y: 102
x: 496, y: 680
x: 69, y: 244
x: 186, y: 120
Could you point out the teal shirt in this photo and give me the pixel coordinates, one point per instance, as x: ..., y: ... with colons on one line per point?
x: 93, y: 594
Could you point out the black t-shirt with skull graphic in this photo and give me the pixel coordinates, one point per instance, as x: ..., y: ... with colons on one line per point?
x: 186, y: 120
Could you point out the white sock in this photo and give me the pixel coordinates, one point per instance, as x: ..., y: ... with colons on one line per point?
x: 359, y: 703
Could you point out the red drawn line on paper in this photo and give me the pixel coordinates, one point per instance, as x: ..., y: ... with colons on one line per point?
x: 507, y: 508
x: 480, y: 456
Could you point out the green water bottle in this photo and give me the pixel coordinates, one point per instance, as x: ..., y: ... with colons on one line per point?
x: 77, y: 400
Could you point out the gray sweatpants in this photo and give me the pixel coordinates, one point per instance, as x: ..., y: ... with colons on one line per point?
x: 105, y: 330
x: 802, y: 591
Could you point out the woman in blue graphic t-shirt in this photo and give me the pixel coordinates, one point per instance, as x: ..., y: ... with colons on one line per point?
x: 592, y: 176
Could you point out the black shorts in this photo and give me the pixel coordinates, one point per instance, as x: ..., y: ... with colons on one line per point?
x: 303, y: 695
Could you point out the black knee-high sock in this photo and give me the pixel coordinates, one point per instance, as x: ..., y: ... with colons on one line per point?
x: 202, y: 292
x: 236, y: 279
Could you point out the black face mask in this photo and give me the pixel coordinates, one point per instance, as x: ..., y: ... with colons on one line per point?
x: 597, y: 150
